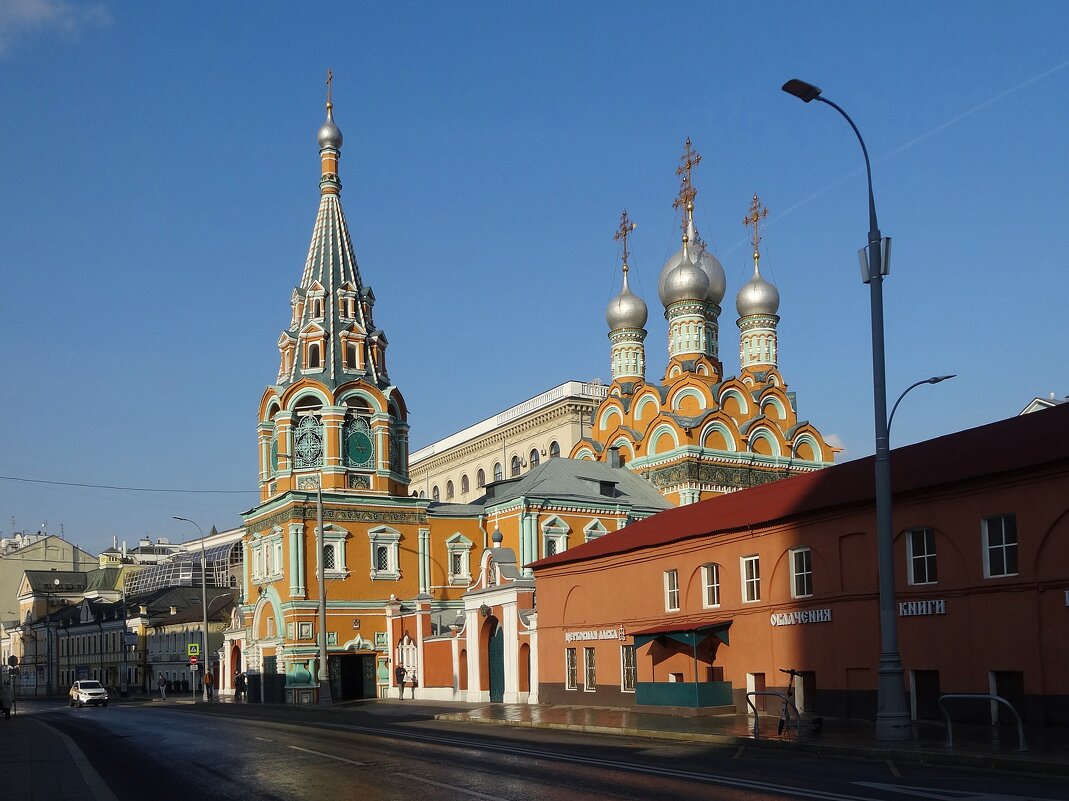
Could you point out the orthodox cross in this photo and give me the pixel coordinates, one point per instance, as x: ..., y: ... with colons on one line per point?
x: 626, y: 227
x: 330, y: 79
x: 757, y: 213
x: 687, y: 162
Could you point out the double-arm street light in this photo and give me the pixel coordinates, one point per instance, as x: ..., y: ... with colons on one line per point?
x: 892, y: 716
x: 203, y: 599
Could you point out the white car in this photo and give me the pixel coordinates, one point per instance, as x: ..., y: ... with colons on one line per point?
x: 87, y: 691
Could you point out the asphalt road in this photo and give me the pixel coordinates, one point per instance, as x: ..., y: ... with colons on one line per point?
x: 382, y: 753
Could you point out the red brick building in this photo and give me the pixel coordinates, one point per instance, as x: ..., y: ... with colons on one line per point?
x: 691, y: 608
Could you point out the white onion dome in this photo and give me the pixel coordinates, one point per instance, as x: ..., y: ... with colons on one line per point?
x: 626, y: 310
x: 687, y: 281
x: 329, y: 135
x: 757, y: 296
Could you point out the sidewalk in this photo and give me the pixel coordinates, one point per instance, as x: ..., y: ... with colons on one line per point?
x: 40, y: 763
x: 974, y: 746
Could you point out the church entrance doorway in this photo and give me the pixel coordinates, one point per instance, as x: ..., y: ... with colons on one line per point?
x: 352, y: 676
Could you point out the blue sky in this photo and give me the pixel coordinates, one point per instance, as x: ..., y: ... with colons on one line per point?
x: 160, y: 180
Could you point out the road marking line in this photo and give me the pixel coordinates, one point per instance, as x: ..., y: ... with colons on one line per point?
x: 893, y: 769
x: 264, y: 740
x: 328, y: 756
x: 738, y: 753
x: 449, y: 787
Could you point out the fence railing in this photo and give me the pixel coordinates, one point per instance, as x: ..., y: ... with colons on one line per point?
x: 975, y: 696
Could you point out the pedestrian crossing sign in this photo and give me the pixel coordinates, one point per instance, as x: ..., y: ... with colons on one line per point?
x: 193, y: 649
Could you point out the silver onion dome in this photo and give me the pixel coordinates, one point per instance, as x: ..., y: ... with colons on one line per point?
x: 718, y: 283
x: 757, y: 296
x: 687, y: 281
x: 329, y: 135
x: 626, y: 310
x: 708, y: 263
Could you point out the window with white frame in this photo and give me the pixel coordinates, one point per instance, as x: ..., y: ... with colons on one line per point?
x: 801, y: 572
x: 627, y: 668
x: 590, y: 681
x: 671, y: 590
x: 458, y: 548
x: 498, y: 472
x: 594, y: 529
x: 711, y: 586
x: 334, y: 552
x: 920, y: 557
x: 385, y: 544
x: 554, y: 536
x: 751, y: 578
x: 570, y: 669
x: 1000, y: 546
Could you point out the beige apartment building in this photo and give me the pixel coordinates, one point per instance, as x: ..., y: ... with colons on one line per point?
x: 509, y: 444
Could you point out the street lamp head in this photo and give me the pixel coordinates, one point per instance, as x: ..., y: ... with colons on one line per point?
x: 805, y: 92
x: 935, y: 379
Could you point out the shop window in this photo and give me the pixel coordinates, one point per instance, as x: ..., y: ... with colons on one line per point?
x: 921, y: 567
x: 801, y: 573
x: 671, y: 591
x: 751, y: 578
x: 590, y: 682
x: 1000, y: 546
x: 570, y: 669
x: 711, y: 586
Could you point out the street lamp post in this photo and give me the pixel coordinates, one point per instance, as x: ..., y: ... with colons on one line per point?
x: 203, y: 599
x: 892, y: 716
x: 48, y: 637
x: 935, y: 379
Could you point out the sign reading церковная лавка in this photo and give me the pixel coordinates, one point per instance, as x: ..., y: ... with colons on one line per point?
x: 594, y: 634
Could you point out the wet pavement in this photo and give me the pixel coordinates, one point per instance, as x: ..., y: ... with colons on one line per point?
x: 38, y: 762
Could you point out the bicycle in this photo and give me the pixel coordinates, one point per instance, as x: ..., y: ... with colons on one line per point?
x: 788, y: 703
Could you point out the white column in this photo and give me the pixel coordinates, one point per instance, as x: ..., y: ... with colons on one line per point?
x: 533, y: 620
x: 512, y: 652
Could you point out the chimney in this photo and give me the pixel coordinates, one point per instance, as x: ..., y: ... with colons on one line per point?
x: 174, y: 610
x: 614, y: 460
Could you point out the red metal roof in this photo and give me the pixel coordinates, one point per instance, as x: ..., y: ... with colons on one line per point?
x: 1019, y: 443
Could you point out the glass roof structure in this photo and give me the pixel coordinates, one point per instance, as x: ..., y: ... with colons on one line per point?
x: 184, y: 570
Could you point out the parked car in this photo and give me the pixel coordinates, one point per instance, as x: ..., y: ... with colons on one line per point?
x: 87, y: 691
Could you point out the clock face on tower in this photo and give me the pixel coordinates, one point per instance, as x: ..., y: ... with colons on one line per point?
x: 359, y: 449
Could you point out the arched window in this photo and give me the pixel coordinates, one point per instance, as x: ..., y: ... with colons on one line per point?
x: 448, y: 490
x: 498, y: 472
x: 533, y: 458
x: 350, y: 355
x: 515, y: 467
x: 480, y: 479
x: 464, y: 485
x: 313, y: 356
x: 554, y: 450
x: 434, y: 493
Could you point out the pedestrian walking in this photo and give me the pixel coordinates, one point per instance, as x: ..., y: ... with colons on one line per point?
x: 399, y: 674
x: 161, y: 682
x: 7, y: 698
x: 240, y: 685
x: 209, y: 683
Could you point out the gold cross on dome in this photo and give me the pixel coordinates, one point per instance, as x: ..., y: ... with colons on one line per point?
x: 757, y: 213
x: 687, y: 162
x: 626, y: 227
x: 330, y: 79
